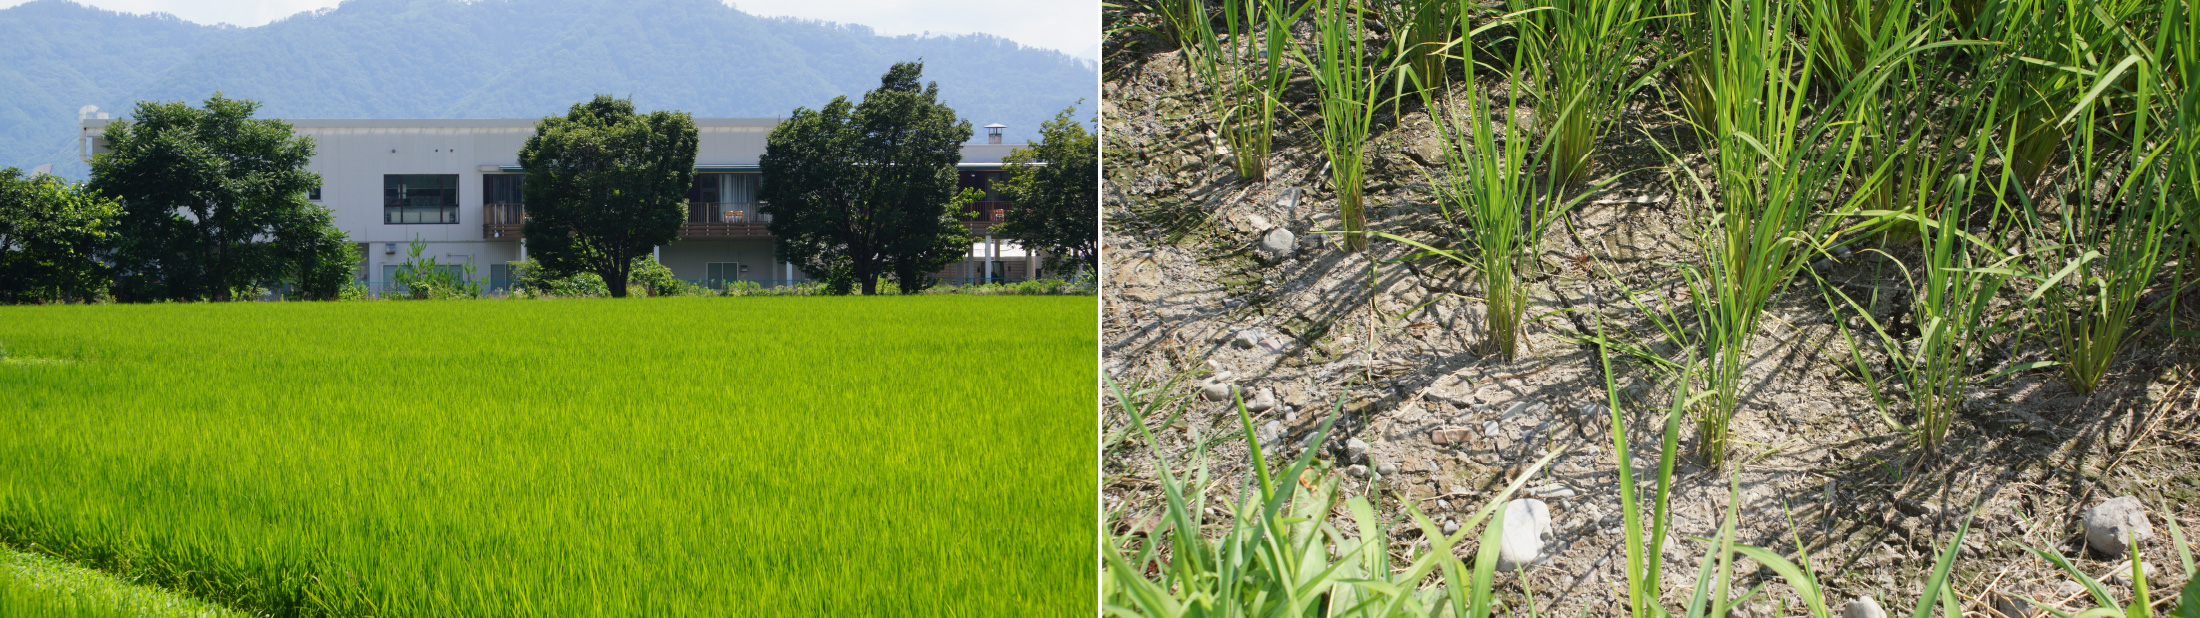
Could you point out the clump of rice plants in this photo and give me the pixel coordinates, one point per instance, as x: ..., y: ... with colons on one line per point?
x: 1925, y: 188
x: 2117, y: 207
x: 1245, y: 67
x: 578, y: 457
x: 1768, y: 179
x: 1423, y: 39
x: 1182, y: 22
x: 1489, y: 189
x: 1350, y: 75
x: 1577, y: 54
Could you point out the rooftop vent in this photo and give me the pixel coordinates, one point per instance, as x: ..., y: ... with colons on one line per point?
x: 993, y: 133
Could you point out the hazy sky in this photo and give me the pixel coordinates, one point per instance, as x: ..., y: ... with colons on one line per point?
x: 1071, y: 26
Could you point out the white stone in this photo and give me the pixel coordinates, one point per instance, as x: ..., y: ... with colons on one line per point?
x: 1259, y: 222
x: 1387, y: 468
x: 1451, y: 527
x: 1356, y: 470
x: 1526, y: 523
x: 1262, y: 401
x: 1246, y: 339
x: 1278, y: 244
x: 2111, y: 527
x: 1355, y: 450
x: 1215, y: 391
x: 1862, y: 607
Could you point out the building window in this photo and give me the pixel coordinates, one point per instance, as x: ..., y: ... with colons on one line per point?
x: 314, y: 193
x: 721, y: 271
x: 500, y: 198
x: 420, y: 198
x: 501, y: 188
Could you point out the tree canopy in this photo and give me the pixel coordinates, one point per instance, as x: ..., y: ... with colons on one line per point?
x: 605, y: 186
x: 214, y: 203
x: 53, y: 234
x: 861, y: 191
x: 1055, y: 186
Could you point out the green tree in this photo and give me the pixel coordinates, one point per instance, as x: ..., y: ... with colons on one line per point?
x: 605, y: 186
x: 214, y: 202
x: 859, y: 191
x: 1055, y: 186
x: 52, y: 236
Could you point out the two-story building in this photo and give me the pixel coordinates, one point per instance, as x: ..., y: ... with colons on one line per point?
x: 455, y: 185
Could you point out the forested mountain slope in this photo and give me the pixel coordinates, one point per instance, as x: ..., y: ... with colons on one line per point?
x: 491, y: 59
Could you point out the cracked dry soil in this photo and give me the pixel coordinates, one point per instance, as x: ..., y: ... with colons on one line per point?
x: 1392, y: 340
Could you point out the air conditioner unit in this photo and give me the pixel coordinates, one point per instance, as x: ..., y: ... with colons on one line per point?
x: 389, y: 248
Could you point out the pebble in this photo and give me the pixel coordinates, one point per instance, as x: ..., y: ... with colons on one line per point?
x: 1526, y: 523
x: 1554, y: 491
x: 1269, y: 431
x: 1232, y: 303
x: 1215, y: 391
x: 1448, y: 436
x: 1355, y: 450
x: 2070, y: 588
x: 1356, y: 470
x: 1278, y: 244
x: 1246, y: 339
x: 1262, y: 401
x: 1451, y: 527
x: 1258, y: 222
x: 1272, y: 344
x: 2111, y: 526
x: 2121, y: 573
x: 1289, y: 200
x: 1387, y: 469
x: 1862, y: 607
x: 1443, y: 505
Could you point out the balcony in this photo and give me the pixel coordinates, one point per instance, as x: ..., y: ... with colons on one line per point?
x: 501, y: 221
x: 990, y: 212
x: 725, y: 220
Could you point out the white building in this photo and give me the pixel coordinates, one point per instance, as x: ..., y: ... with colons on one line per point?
x: 454, y: 185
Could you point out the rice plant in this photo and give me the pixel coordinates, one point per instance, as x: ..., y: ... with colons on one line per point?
x: 1768, y: 180
x: 1183, y: 22
x: 1245, y: 68
x: 1423, y: 38
x: 2109, y: 233
x: 1951, y: 313
x: 1350, y: 75
x: 1489, y: 189
x: 1577, y: 54
x: 1924, y: 187
x: 585, y: 457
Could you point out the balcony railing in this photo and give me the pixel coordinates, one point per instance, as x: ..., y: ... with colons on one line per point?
x: 994, y: 211
x: 725, y: 212
x: 501, y: 221
x: 725, y: 220
x: 705, y: 220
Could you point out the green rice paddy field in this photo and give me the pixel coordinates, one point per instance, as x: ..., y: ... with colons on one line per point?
x: 926, y: 455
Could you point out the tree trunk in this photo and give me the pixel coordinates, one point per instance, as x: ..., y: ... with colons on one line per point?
x: 616, y: 282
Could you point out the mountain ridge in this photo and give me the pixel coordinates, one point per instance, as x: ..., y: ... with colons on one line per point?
x: 492, y: 59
